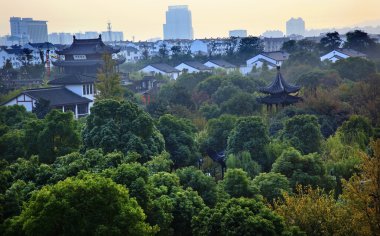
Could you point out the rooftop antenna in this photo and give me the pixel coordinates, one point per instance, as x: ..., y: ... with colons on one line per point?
x: 109, y: 28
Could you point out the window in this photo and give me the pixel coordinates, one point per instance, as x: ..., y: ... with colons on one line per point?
x: 80, y: 57
x: 88, y: 89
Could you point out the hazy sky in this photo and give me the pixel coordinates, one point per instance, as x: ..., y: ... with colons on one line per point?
x: 211, y: 18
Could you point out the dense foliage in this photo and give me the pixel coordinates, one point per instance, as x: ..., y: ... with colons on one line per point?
x: 204, y: 157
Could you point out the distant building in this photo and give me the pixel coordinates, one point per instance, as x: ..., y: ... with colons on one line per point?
x: 113, y: 36
x: 273, y: 34
x: 178, y: 23
x: 339, y: 54
x: 27, y: 29
x: 84, y: 56
x: 274, y: 44
x: 238, y: 33
x: 161, y: 69
x: 220, y: 64
x: 295, y: 26
x: 271, y: 59
x: 193, y: 67
x: 60, y: 38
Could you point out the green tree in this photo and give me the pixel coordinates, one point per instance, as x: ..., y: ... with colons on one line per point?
x: 172, y: 207
x: 237, y: 184
x: 289, y: 46
x: 159, y: 163
x: 179, y: 140
x: 108, y: 84
x: 12, y: 145
x: 14, y: 197
x: 303, y: 132
x: 355, y: 68
x: 134, y: 177
x: 84, y: 205
x: 58, y: 137
x: 250, y: 46
x: 14, y: 116
x: 304, y: 170
x: 242, y: 104
x: 218, y: 130
x: 271, y: 185
x: 302, y: 58
x: 198, y: 181
x: 122, y: 126
x: 239, y: 216
x: 356, y: 131
x: 250, y: 134
x: 330, y: 42
x: 41, y: 108
x: 243, y: 160
x: 359, y: 40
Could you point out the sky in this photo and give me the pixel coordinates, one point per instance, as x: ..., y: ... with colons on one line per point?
x: 143, y: 19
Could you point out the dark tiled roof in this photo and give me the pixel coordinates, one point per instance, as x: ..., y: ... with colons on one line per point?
x: 279, y: 86
x: 285, y: 99
x: 164, y: 67
x: 57, y: 96
x: 45, y: 45
x: 85, y: 62
x: 222, y: 63
x: 73, y: 79
x: 87, y: 46
x: 197, y: 65
x: 267, y: 62
x: 351, y: 52
x: 277, y: 55
x: 16, y: 51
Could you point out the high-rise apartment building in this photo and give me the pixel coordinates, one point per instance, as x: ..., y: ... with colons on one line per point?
x: 60, y: 38
x: 295, y: 26
x: 178, y: 23
x: 35, y: 31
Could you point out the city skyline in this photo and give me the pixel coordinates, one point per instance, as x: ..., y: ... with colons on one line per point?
x: 143, y: 19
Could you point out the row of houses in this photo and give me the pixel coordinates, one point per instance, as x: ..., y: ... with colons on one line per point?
x: 187, y: 67
x: 134, y: 51
x: 32, y: 53
x: 271, y: 59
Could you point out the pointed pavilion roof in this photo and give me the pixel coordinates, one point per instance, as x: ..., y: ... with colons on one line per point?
x: 279, y: 86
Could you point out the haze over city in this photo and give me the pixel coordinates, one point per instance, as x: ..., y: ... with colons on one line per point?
x: 143, y: 19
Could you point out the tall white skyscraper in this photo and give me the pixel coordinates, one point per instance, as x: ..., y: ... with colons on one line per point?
x: 178, y: 23
x: 295, y: 26
x: 35, y: 31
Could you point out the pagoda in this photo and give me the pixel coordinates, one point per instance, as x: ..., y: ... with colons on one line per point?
x: 279, y: 93
x: 84, y: 56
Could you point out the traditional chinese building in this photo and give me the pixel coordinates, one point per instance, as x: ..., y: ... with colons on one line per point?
x: 85, y: 56
x: 280, y: 93
x: 74, y: 88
